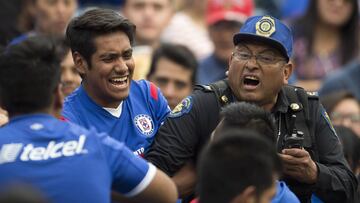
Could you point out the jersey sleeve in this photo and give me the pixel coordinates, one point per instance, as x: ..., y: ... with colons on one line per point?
x: 131, y: 174
x: 336, y: 182
x: 179, y: 139
x: 158, y: 103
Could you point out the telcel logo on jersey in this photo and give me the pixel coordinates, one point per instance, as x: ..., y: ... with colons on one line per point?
x: 10, y: 152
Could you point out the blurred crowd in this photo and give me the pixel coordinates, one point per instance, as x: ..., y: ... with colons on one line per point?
x: 182, y: 43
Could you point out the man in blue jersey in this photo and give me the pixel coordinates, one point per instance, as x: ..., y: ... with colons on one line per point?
x: 66, y: 162
x: 108, y: 99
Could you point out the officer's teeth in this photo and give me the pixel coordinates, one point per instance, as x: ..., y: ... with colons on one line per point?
x: 251, y: 78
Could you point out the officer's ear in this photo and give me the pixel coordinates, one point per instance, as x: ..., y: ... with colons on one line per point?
x: 287, y: 71
x: 229, y: 62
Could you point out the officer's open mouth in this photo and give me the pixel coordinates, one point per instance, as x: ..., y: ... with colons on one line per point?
x: 119, y: 80
x: 251, y: 80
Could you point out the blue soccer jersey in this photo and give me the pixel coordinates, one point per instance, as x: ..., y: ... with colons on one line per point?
x: 142, y: 113
x: 67, y: 162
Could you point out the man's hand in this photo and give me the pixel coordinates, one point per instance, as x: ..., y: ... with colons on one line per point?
x: 299, y: 165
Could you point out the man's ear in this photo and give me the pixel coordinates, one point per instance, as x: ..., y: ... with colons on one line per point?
x: 230, y: 60
x: 246, y: 196
x: 80, y: 63
x: 288, y: 69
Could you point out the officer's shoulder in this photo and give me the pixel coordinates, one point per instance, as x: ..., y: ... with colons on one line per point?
x: 203, y: 88
x: 300, y: 92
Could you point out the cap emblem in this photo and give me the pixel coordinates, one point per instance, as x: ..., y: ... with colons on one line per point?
x: 265, y: 26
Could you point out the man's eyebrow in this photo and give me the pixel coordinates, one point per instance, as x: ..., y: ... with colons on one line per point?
x: 128, y: 50
x: 104, y: 55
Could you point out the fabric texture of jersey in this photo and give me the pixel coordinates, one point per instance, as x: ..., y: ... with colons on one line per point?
x: 67, y: 162
x: 144, y: 111
x: 284, y: 194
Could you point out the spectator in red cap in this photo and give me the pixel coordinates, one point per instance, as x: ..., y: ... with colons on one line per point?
x: 224, y: 18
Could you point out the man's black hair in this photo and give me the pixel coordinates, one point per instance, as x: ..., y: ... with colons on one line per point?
x: 82, y: 30
x: 29, y: 75
x: 176, y: 53
x: 250, y: 116
x: 235, y: 161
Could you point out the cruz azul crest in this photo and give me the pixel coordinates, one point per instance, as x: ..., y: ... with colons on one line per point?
x: 144, y: 124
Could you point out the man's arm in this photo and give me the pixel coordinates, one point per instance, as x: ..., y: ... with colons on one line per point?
x: 185, y: 180
x: 175, y: 142
x: 160, y: 190
x: 134, y: 178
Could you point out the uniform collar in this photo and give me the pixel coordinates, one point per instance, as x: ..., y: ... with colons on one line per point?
x: 282, y: 103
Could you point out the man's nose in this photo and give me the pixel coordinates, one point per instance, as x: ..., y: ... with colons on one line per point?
x: 169, y: 90
x: 252, y: 63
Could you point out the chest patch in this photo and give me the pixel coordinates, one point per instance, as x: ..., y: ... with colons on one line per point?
x: 144, y: 124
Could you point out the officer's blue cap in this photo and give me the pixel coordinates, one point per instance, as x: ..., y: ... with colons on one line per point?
x: 268, y: 30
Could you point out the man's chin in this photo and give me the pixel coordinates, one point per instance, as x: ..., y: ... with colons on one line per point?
x: 251, y: 97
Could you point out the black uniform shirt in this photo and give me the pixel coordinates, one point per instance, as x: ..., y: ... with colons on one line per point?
x: 188, y: 129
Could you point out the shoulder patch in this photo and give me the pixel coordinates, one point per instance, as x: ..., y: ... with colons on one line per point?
x: 313, y: 94
x: 205, y: 88
x: 328, y: 121
x: 182, y: 108
x: 153, y: 91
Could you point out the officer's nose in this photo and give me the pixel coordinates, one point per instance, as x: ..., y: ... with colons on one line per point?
x: 252, y: 63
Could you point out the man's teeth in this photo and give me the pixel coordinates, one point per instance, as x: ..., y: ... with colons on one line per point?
x: 251, y: 77
x: 122, y: 79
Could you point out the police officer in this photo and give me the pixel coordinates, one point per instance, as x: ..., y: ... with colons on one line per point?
x: 259, y: 69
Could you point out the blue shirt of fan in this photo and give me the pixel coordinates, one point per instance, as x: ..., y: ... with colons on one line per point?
x: 143, y: 112
x: 67, y: 162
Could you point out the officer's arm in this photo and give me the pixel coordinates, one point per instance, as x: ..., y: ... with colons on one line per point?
x: 176, y: 140
x: 336, y: 182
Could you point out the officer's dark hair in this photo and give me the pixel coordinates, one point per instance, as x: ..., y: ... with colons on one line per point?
x: 350, y: 145
x: 29, y: 74
x: 349, y: 33
x: 246, y: 115
x: 176, y: 53
x: 235, y: 161
x: 82, y: 30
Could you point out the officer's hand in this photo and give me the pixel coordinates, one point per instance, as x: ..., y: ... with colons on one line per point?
x: 299, y: 165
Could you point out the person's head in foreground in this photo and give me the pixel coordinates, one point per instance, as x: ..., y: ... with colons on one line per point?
x: 21, y: 95
x: 240, y: 166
